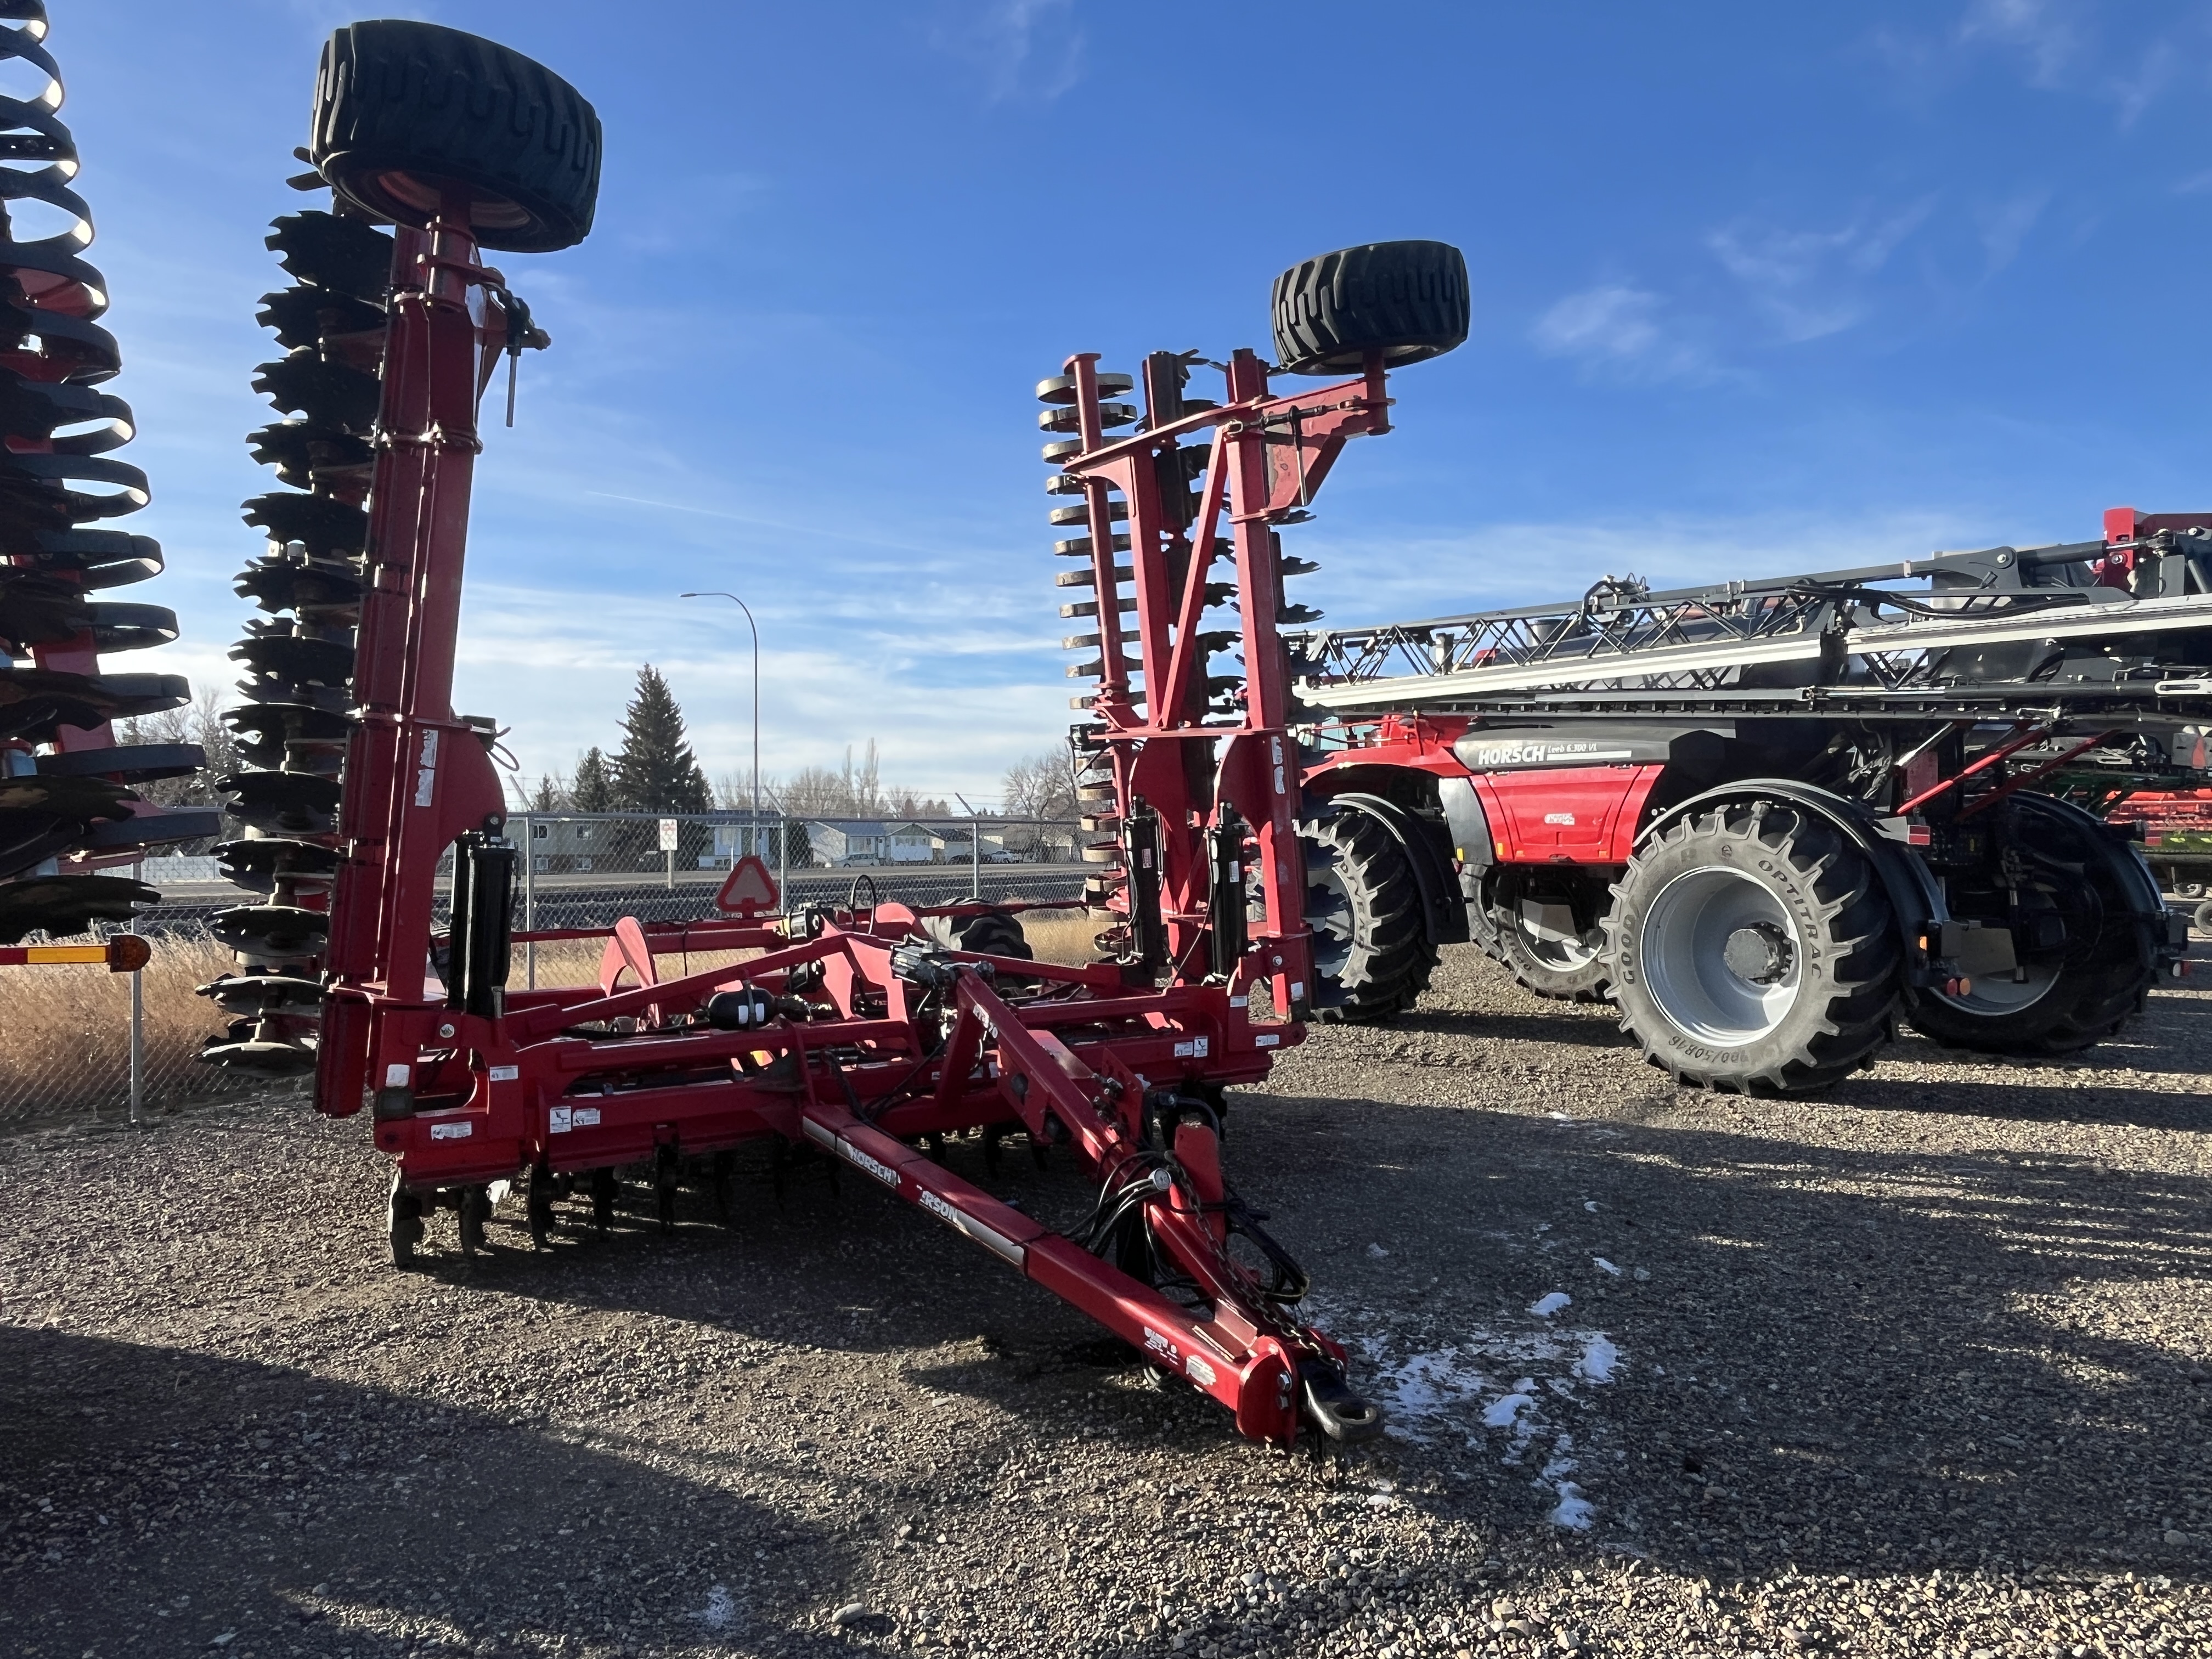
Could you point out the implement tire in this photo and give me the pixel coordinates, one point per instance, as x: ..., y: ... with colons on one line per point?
x: 1405, y: 300
x: 404, y: 110
x: 1372, y: 955
x: 2070, y: 872
x: 1754, y: 950
x: 989, y: 934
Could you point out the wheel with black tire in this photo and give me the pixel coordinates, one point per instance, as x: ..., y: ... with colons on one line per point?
x: 406, y: 112
x: 1550, y: 930
x: 1754, y: 950
x: 2202, y: 920
x: 2079, y: 901
x: 986, y: 933
x: 1405, y: 300
x: 1372, y: 957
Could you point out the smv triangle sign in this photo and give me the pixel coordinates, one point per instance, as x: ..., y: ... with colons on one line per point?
x: 750, y: 889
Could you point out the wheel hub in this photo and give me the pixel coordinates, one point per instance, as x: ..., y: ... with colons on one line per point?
x: 1759, y: 953
x: 1720, y: 956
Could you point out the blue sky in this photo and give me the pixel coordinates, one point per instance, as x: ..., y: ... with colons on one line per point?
x: 1754, y: 288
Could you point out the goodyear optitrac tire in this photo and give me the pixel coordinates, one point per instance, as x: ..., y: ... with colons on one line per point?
x: 1754, y: 950
x: 1372, y: 957
x: 2074, y: 870
x: 404, y: 108
x: 1545, y: 952
x: 1405, y: 300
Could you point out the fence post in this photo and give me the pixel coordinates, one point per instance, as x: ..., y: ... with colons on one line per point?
x: 137, y: 1042
x: 530, y: 900
x: 783, y: 860
x: 975, y: 853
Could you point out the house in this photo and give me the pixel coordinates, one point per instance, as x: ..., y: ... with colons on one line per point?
x: 735, y: 837
x: 560, y: 845
x: 834, y: 841
x: 912, y: 843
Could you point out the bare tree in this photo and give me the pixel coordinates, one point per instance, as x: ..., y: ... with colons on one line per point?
x: 200, y: 722
x: 1042, y: 786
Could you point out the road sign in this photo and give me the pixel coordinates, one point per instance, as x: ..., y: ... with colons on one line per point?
x: 668, y: 827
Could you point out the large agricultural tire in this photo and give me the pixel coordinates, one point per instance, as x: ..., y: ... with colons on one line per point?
x: 1406, y: 300
x: 1372, y: 955
x: 2072, y: 869
x: 1552, y: 955
x: 404, y: 109
x: 987, y: 934
x: 1754, y: 950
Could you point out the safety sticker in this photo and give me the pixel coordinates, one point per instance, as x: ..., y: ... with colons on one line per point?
x: 451, y: 1131
x: 505, y: 1073
x: 557, y: 1121
x: 584, y: 1117
x: 1199, y: 1370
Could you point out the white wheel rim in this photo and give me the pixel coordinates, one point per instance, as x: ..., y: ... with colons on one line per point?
x: 1561, y: 952
x: 1328, y: 914
x: 1684, y: 945
x: 2001, y: 993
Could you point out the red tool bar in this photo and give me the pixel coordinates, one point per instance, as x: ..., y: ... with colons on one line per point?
x: 2024, y: 733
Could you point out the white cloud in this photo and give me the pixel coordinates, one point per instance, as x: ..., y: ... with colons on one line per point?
x: 2046, y: 33
x: 1485, y: 567
x: 1026, y: 49
x: 2005, y: 225
x: 1810, y: 284
x: 1620, y: 328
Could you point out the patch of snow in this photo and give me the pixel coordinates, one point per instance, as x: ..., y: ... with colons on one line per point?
x: 1376, y: 1251
x: 1550, y: 1303
x: 1573, y: 1509
x: 1604, y: 1267
x: 720, y: 1611
x: 1502, y: 1413
x: 1600, y: 1359
x: 1590, y: 1204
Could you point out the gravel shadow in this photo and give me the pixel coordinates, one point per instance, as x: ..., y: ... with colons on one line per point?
x: 252, y: 1510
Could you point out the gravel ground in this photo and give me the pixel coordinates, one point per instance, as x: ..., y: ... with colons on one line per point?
x: 1919, y: 1370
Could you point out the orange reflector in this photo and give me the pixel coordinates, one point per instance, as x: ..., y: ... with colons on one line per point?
x: 51, y: 953
x: 127, y: 954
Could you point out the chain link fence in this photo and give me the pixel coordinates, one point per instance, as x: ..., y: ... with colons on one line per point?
x: 85, y: 1042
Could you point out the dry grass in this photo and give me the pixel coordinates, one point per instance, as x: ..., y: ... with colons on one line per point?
x: 68, y: 1047
x: 67, y: 1051
x: 1063, y: 936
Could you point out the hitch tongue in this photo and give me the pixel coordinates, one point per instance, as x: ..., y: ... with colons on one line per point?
x: 1341, y: 1414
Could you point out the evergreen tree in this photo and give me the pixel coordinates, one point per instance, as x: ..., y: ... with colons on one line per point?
x: 655, y: 770
x: 594, y: 791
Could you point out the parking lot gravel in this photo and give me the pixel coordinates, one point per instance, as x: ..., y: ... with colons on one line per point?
x: 1920, y: 1369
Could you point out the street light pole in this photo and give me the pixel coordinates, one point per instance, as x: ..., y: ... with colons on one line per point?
x: 754, y: 626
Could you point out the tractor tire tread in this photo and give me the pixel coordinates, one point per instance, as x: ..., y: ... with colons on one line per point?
x: 1866, y: 956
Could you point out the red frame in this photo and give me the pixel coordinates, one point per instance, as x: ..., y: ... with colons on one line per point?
x: 1102, y: 1060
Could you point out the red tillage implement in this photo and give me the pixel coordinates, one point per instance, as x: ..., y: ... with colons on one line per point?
x: 854, y: 1031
